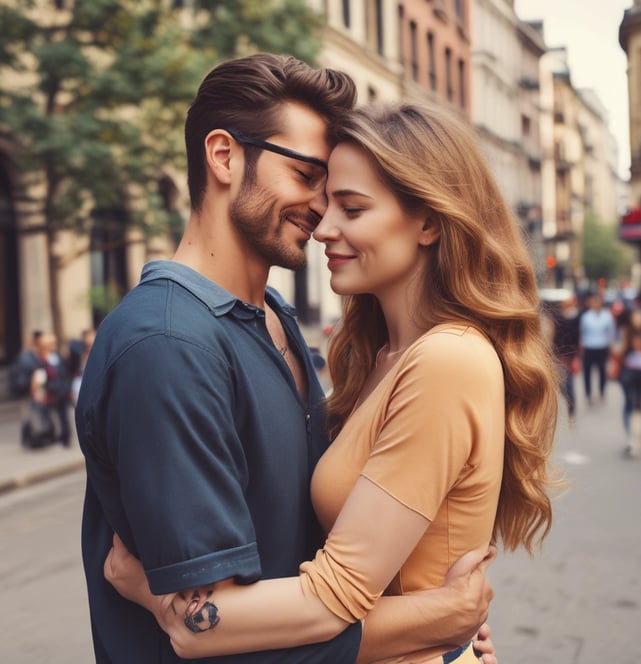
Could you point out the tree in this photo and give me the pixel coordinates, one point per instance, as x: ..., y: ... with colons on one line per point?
x: 604, y: 257
x: 99, y: 92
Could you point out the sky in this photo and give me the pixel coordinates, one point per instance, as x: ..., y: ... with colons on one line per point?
x: 589, y: 29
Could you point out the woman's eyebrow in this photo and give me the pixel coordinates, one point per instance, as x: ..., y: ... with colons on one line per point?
x: 349, y: 192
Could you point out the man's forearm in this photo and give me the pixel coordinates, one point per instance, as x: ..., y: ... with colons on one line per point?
x: 432, y: 621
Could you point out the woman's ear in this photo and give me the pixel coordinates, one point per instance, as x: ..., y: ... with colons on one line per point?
x: 429, y: 234
x: 218, y: 152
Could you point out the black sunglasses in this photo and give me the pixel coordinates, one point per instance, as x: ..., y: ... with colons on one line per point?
x: 278, y: 149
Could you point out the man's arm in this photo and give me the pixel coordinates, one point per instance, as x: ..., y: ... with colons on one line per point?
x: 426, y: 620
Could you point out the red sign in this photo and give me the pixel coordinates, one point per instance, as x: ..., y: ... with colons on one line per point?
x: 630, y: 227
x: 632, y: 217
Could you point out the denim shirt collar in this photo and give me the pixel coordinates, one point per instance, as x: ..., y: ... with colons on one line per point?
x: 218, y: 300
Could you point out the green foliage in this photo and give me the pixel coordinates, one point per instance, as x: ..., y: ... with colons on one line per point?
x: 99, y: 93
x: 604, y: 256
x: 102, y: 299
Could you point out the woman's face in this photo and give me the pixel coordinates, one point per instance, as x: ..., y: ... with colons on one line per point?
x: 371, y: 243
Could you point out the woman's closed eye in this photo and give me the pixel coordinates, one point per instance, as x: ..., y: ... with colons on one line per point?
x: 352, y: 211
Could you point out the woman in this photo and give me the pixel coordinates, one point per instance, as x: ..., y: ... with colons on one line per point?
x: 444, y: 400
x: 628, y: 357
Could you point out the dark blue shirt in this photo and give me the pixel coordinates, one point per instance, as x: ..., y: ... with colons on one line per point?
x: 199, y: 453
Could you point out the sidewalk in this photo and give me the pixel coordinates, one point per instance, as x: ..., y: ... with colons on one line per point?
x: 20, y: 467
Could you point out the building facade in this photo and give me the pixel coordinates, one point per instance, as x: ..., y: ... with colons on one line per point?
x: 506, y: 109
x: 630, y: 40
x: 579, y: 168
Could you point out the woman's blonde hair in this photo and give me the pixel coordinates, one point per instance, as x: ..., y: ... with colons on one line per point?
x: 479, y: 271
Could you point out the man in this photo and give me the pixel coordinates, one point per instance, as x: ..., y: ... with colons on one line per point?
x: 565, y: 342
x: 199, y: 413
x: 597, y: 331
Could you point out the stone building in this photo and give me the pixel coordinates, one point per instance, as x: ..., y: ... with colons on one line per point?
x: 579, y: 168
x: 630, y: 40
x: 506, y: 109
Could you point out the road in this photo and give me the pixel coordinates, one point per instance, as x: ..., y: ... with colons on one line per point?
x: 577, y: 602
x: 43, y: 612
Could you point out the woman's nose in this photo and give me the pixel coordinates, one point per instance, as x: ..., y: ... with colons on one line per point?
x: 326, y: 230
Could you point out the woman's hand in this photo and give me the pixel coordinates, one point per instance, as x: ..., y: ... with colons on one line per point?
x: 483, y: 645
x: 125, y: 573
x: 175, y: 612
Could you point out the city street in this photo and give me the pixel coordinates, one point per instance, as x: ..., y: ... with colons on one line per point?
x: 578, y: 602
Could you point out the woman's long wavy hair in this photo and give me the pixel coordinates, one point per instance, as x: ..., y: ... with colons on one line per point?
x: 479, y: 271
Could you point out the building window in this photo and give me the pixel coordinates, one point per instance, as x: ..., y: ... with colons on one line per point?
x: 431, y: 54
x: 448, y: 74
x: 461, y: 83
x: 458, y: 8
x: 108, y: 262
x: 374, y: 24
x: 401, y: 25
x: 526, y: 125
x: 10, y: 330
x: 414, y: 50
x: 346, y: 13
x: 379, y: 27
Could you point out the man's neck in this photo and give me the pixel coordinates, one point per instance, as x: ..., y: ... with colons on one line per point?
x: 218, y: 253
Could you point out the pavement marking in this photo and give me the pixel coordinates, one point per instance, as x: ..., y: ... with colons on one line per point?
x: 575, y: 458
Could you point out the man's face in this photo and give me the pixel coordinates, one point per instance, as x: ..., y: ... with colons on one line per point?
x: 278, y: 209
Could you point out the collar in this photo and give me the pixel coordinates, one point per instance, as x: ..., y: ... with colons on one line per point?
x: 218, y: 300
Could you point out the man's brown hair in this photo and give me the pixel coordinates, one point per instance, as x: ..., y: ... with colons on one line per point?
x: 246, y: 94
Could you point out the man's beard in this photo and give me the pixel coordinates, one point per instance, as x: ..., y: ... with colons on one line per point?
x: 252, y: 214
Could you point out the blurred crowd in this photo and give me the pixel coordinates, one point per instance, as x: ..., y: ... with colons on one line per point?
x: 596, y: 337
x: 48, y: 381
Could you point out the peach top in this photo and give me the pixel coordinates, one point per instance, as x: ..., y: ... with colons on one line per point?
x: 431, y: 435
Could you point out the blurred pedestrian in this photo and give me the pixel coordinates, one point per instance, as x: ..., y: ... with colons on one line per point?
x: 57, y: 385
x: 628, y: 356
x: 23, y: 367
x: 597, y: 333
x: 78, y: 354
x: 27, y: 379
x: 565, y: 342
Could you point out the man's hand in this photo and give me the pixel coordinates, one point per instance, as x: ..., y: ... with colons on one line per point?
x: 470, y: 593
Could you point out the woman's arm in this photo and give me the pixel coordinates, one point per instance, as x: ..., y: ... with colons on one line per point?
x: 272, y: 614
x: 397, y: 625
x: 288, y: 612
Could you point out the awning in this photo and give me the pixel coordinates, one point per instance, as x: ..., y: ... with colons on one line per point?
x: 630, y: 227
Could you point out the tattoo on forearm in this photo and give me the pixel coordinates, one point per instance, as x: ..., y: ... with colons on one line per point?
x: 201, y: 618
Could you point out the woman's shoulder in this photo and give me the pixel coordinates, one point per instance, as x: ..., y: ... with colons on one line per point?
x: 456, y: 335
x: 456, y: 347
